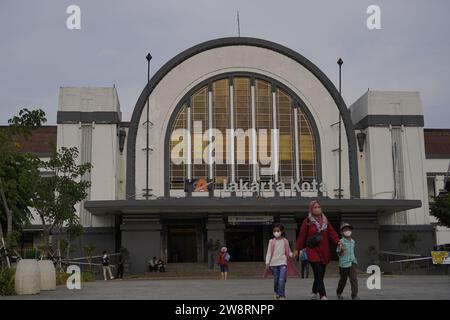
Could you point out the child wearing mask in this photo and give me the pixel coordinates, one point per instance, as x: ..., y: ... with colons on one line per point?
x: 222, y: 261
x: 347, y: 262
x: 279, y: 261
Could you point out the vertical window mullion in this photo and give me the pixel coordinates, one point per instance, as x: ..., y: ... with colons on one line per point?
x: 210, y: 126
x: 274, y: 134
x: 254, y: 161
x: 231, y: 135
x: 296, y: 145
x: 189, y: 142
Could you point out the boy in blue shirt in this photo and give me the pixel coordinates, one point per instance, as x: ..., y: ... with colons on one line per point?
x: 347, y: 262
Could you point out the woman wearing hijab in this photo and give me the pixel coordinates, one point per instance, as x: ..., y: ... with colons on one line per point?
x: 315, y: 235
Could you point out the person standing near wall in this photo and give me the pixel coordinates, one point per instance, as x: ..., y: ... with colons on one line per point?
x: 106, y: 266
x: 315, y: 234
x: 222, y: 261
x: 120, y: 267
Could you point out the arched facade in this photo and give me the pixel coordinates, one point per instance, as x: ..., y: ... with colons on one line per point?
x: 301, y: 80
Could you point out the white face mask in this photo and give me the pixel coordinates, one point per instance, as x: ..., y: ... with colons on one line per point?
x: 347, y: 233
x: 277, y: 234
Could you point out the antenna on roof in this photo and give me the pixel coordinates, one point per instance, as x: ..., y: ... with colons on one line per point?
x: 238, y: 24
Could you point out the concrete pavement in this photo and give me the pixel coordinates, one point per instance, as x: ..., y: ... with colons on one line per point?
x: 392, y: 287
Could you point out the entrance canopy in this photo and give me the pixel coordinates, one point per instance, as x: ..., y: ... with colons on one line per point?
x: 246, y: 205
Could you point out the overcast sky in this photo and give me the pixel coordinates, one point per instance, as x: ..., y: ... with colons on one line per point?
x: 39, y: 54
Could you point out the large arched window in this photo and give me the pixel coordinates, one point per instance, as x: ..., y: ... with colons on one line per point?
x: 247, y: 117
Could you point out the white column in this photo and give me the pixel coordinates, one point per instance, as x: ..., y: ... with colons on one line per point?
x: 254, y: 158
x: 231, y: 137
x: 274, y: 135
x: 296, y: 145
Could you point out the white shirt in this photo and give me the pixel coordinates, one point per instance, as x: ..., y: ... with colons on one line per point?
x: 279, y: 255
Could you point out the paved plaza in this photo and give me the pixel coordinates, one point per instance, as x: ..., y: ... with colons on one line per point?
x: 392, y: 287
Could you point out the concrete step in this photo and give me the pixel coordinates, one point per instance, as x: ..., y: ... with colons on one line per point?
x: 236, y: 270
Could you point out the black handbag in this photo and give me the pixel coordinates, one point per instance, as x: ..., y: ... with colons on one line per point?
x: 314, y: 240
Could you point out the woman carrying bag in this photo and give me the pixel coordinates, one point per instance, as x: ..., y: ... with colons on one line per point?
x: 315, y: 235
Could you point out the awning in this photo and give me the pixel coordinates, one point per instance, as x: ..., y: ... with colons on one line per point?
x: 203, y: 205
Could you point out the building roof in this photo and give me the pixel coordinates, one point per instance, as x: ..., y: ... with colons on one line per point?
x: 40, y: 141
x: 437, y: 143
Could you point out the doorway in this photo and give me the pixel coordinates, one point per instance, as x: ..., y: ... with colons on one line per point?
x: 245, y: 243
x: 182, y: 244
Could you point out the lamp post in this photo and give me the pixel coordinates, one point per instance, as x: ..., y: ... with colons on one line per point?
x: 340, y: 62
x: 147, y: 148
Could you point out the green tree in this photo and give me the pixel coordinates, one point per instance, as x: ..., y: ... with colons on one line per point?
x: 55, y: 196
x: 440, y: 208
x: 18, y: 172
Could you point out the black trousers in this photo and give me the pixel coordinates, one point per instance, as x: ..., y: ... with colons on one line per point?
x: 319, y: 274
x: 348, y: 273
x: 120, y: 271
x: 305, y: 268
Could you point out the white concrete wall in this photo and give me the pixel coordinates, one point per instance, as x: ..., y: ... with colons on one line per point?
x: 386, y: 103
x: 88, y: 99
x: 104, y: 141
x: 104, y: 163
x: 186, y: 75
x: 376, y: 160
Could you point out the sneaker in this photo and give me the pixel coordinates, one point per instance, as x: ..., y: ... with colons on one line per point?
x: 340, y: 297
x: 276, y: 297
x: 324, y: 298
x: 282, y: 298
x: 314, y: 296
x: 356, y: 298
x: 112, y: 278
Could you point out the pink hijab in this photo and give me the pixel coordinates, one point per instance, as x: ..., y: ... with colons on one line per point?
x: 322, y: 222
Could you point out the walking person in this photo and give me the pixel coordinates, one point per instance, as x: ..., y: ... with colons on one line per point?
x: 120, y: 267
x: 106, y: 266
x: 304, y: 264
x: 222, y: 261
x: 347, y: 263
x: 279, y: 261
x: 315, y: 235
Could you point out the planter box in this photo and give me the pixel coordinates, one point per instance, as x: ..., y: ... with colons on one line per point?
x: 28, y: 277
x: 48, y: 275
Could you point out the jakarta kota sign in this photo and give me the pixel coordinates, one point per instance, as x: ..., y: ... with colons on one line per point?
x: 260, y: 186
x: 203, y: 184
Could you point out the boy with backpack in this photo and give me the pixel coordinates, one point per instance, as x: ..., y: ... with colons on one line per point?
x: 222, y: 261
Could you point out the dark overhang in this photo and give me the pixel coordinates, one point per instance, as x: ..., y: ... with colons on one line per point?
x: 382, y: 120
x: 257, y: 206
x: 105, y: 117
